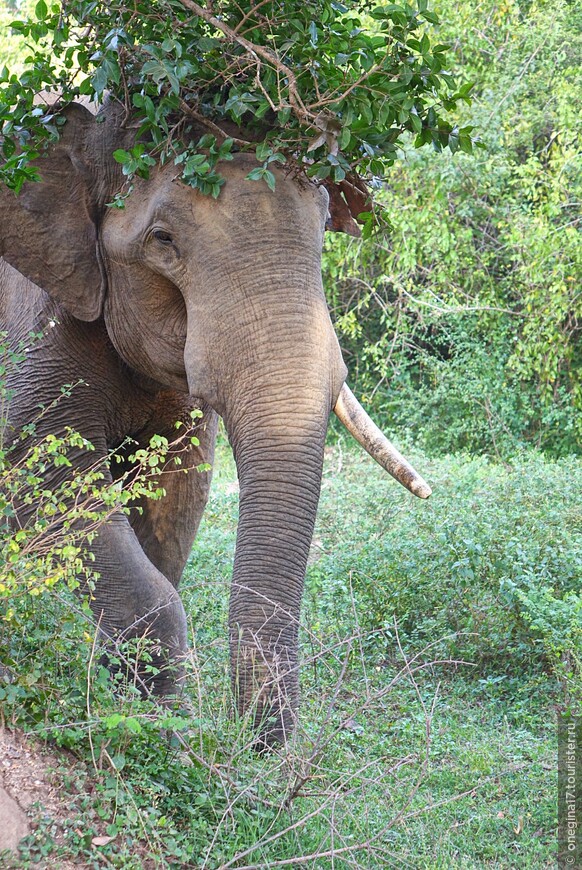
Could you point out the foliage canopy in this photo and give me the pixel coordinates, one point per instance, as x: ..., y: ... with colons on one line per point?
x: 328, y: 86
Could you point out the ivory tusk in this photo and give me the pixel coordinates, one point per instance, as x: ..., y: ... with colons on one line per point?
x: 358, y: 423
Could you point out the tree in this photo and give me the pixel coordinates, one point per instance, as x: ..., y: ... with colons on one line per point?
x: 463, y: 323
x: 327, y: 87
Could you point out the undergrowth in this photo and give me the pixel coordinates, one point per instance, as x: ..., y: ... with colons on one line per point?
x: 437, y: 639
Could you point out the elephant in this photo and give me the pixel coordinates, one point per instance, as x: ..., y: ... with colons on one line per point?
x: 175, y: 302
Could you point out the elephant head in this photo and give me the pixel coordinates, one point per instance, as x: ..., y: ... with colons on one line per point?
x: 224, y: 300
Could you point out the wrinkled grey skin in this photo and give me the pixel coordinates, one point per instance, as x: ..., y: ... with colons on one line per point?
x: 180, y: 301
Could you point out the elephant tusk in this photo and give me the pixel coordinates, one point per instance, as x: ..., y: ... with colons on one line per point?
x: 358, y: 423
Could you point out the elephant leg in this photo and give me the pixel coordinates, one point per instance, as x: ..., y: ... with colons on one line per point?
x: 132, y: 599
x: 166, y: 527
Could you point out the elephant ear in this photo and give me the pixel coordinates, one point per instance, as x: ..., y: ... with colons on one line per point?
x: 49, y: 231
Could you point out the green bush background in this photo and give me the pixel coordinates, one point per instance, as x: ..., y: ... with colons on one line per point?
x: 461, y: 326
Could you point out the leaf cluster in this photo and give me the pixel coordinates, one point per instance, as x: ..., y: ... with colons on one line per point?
x: 328, y: 86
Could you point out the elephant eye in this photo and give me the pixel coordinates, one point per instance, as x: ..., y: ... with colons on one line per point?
x: 163, y: 237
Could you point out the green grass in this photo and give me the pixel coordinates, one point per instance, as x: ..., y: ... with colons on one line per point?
x: 427, y: 727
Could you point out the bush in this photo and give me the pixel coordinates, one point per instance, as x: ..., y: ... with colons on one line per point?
x: 462, y: 326
x: 489, y: 568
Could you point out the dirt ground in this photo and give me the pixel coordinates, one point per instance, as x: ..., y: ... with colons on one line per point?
x: 32, y: 776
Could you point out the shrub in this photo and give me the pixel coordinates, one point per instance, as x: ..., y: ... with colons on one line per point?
x: 462, y: 324
x: 489, y: 568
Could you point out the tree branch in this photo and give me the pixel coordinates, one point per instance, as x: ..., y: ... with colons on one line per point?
x: 257, y: 51
x: 210, y: 125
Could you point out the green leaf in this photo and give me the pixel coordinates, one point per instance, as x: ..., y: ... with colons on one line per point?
x: 133, y: 725
x: 415, y: 122
x: 465, y: 143
x: 277, y: 158
x: 99, y: 80
x: 208, y: 43
x: 41, y: 9
x: 269, y: 178
x: 263, y: 151
x: 313, y: 33
x: 261, y: 173
x: 118, y: 761
x: 121, y: 156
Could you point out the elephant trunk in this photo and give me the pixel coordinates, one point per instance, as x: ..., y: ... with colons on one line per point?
x: 279, y: 456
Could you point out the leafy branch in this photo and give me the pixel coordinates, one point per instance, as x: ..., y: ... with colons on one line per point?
x: 332, y: 87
